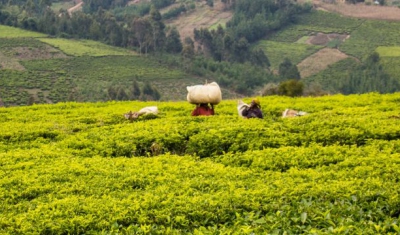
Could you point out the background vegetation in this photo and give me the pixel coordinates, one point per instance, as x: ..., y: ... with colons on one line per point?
x: 244, y: 55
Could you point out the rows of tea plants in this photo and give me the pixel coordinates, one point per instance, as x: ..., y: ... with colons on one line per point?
x: 81, y: 168
x: 55, y: 70
x: 371, y: 34
x: 316, y: 21
x: 85, y: 47
x: 278, y: 51
x: 78, y: 70
x: 11, y: 32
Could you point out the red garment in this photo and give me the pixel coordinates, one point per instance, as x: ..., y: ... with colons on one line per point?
x: 202, y: 111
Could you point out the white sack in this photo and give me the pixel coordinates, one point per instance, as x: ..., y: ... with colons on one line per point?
x: 148, y: 110
x: 208, y: 93
x: 241, y: 106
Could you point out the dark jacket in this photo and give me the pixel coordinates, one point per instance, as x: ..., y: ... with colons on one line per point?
x: 254, y: 111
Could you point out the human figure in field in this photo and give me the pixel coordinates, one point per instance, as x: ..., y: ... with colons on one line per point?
x: 253, y: 110
x: 203, y: 110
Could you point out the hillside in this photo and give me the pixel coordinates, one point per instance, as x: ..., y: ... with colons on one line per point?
x: 317, y: 42
x: 37, y: 69
x: 202, y: 16
x: 81, y: 168
x: 330, y: 51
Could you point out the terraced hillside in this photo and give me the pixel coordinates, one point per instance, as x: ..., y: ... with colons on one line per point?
x: 203, y: 16
x: 38, y: 69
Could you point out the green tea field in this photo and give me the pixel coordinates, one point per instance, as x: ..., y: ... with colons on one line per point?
x: 81, y: 168
x: 35, y: 68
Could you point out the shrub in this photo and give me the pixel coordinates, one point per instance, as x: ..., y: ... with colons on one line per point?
x: 291, y: 88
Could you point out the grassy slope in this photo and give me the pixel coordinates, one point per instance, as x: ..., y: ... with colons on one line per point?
x: 54, y: 69
x: 202, y: 16
x: 82, y: 169
x: 365, y: 36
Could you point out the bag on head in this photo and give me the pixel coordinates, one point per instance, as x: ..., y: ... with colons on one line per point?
x: 209, y: 93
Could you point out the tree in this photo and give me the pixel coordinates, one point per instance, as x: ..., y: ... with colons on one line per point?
x: 150, y: 93
x: 147, y: 89
x: 135, y: 91
x: 141, y: 28
x: 291, y: 88
x: 173, y: 43
x: 121, y: 94
x: 241, y: 49
x: 157, y: 28
x: 112, y: 93
x: 259, y: 58
x: 287, y: 70
x: 30, y: 7
x: 95, y: 31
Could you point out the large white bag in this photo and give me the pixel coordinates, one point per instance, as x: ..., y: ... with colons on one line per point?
x: 208, y: 93
x: 241, y: 106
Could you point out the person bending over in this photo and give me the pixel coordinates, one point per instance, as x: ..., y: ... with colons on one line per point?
x: 254, y: 110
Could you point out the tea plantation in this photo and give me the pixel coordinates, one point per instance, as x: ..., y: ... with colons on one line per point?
x: 81, y: 168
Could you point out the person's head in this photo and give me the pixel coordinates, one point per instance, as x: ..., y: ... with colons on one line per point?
x: 131, y: 115
x: 255, y: 102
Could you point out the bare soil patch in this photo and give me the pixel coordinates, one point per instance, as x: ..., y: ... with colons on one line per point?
x: 35, y: 95
x: 323, y: 39
x: 10, y: 63
x: 202, y: 17
x: 391, y: 13
x: 320, y: 61
x: 28, y: 53
x: 77, y: 7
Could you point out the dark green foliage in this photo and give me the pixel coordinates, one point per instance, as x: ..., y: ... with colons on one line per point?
x: 349, y: 77
x: 121, y: 94
x: 91, y: 6
x: 258, y: 57
x: 243, y: 78
x: 287, y: 70
x: 134, y: 10
x: 174, y: 12
x: 255, y: 19
x: 135, y: 90
x: 149, y: 92
x: 291, y: 88
x: 173, y: 42
x: 162, y: 3
x: 222, y: 47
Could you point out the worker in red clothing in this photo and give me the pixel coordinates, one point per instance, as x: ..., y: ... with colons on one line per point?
x: 203, y: 110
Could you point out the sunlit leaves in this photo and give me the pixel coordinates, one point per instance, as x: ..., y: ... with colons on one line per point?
x: 82, y: 168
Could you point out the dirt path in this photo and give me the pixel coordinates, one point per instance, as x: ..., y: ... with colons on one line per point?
x: 77, y: 7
